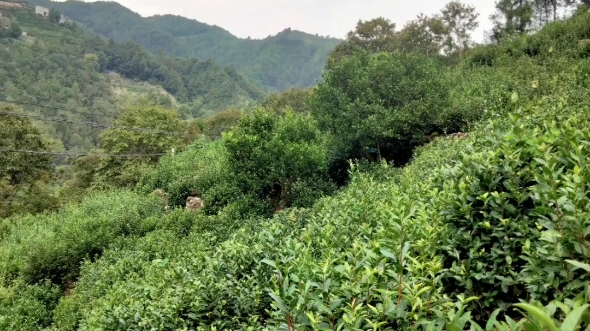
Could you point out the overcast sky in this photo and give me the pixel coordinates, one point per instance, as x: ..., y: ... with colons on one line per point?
x: 261, y: 18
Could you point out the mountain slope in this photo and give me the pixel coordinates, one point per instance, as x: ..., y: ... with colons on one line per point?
x: 288, y: 59
x: 58, y: 71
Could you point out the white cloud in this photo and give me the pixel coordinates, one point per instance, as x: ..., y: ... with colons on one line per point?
x: 261, y: 18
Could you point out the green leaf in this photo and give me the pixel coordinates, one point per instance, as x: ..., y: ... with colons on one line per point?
x: 579, y: 264
x: 269, y: 262
x: 388, y: 254
x: 538, y: 314
x: 279, y: 301
x: 492, y: 320
x: 405, y: 249
x: 453, y: 327
x: 573, y: 319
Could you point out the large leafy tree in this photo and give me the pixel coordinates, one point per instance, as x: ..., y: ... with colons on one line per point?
x: 424, y: 35
x: 460, y: 21
x: 23, y: 175
x: 376, y: 35
x: 512, y: 17
x: 383, y: 104
x: 138, y: 139
x: 272, y: 155
x: 447, y: 32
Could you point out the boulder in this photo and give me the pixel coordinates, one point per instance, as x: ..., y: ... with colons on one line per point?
x: 194, y: 203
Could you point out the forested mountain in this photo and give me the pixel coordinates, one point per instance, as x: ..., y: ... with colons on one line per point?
x: 288, y: 59
x: 75, y: 76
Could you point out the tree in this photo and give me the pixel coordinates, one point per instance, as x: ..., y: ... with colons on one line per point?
x: 23, y: 176
x: 429, y: 35
x: 376, y: 35
x: 511, y: 17
x: 294, y: 98
x: 271, y: 155
x: 381, y: 105
x: 154, y: 131
x: 54, y: 16
x: 460, y: 21
x: 547, y: 10
x: 424, y: 35
x: 13, y: 31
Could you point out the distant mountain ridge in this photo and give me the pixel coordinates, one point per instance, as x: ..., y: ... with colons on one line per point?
x: 288, y: 59
x: 66, y: 72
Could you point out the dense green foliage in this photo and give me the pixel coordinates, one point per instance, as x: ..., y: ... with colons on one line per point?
x: 11, y: 30
x: 295, y: 99
x: 279, y: 159
x: 156, y: 132
x: 202, y: 168
x: 289, y: 59
x: 23, y: 177
x: 266, y: 163
x: 487, y: 229
x: 394, y: 100
x: 83, y: 230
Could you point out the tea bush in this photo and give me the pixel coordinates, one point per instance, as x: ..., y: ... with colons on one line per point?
x: 202, y: 168
x: 28, y: 307
x: 504, y: 202
x: 53, y: 246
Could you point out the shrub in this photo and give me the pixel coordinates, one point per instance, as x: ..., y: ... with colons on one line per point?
x: 28, y: 307
x: 52, y: 246
x: 202, y: 168
x: 271, y: 155
x: 384, y: 104
x: 508, y: 206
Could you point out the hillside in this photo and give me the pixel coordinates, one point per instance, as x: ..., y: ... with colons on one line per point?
x: 465, y: 207
x: 288, y: 59
x: 60, y: 71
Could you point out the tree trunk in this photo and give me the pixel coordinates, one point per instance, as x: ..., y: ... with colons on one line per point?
x: 284, y: 198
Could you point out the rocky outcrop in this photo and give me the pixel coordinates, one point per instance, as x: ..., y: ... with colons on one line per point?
x: 194, y: 203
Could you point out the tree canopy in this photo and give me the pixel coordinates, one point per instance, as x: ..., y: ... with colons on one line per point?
x: 381, y: 105
x: 271, y: 155
x: 156, y: 131
x: 23, y: 176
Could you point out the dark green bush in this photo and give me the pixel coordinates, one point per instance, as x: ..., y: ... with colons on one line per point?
x: 272, y: 157
x: 384, y: 104
x: 28, y: 307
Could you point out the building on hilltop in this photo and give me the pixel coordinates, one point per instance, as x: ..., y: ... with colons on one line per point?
x: 41, y: 11
x: 12, y: 4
